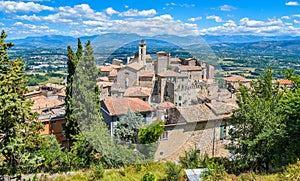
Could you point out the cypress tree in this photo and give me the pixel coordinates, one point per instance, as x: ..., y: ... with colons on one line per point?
x: 71, y: 123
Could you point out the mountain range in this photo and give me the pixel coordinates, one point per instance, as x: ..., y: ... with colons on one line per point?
x: 118, y: 39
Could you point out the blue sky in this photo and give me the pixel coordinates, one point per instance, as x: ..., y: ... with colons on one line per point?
x: 190, y: 17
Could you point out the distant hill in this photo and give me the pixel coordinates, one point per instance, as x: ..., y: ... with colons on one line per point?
x: 118, y: 39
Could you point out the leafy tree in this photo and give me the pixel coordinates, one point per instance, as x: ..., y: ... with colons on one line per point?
x: 17, y: 125
x: 86, y: 103
x: 290, y: 108
x: 71, y: 123
x: 126, y: 129
x: 150, y: 133
x: 259, y: 129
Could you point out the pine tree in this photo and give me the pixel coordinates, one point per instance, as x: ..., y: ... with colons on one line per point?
x: 17, y: 123
x: 71, y: 124
x: 87, y: 104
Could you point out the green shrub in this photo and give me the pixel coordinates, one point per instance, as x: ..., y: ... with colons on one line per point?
x: 98, y: 171
x: 173, y: 172
x: 148, y: 177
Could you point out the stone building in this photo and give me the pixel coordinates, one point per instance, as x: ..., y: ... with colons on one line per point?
x: 202, y: 126
x: 113, y: 108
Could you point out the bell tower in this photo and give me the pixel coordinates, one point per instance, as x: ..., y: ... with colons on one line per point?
x: 142, y: 52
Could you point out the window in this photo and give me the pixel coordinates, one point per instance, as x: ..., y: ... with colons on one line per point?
x: 222, y: 132
x: 53, y: 122
x: 179, y: 98
x: 126, y: 82
x: 63, y: 129
x: 164, y: 136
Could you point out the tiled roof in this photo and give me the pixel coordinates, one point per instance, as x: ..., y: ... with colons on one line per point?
x: 161, y: 52
x: 108, y: 68
x: 236, y: 78
x: 197, y: 113
x: 165, y: 105
x: 103, y: 79
x: 145, y: 73
x: 137, y: 92
x: 189, y: 68
x: 175, y: 59
x: 221, y: 108
x: 170, y: 73
x: 283, y: 82
x: 54, y: 86
x: 135, y: 66
x: 41, y: 103
x: 119, y: 106
x: 113, y: 73
x: 105, y: 84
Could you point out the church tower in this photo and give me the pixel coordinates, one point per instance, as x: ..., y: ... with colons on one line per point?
x: 142, y: 52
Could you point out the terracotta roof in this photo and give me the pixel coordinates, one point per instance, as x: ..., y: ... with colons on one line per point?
x: 175, y: 59
x: 189, y: 68
x: 113, y: 73
x: 105, y: 84
x: 137, y: 92
x: 236, y: 78
x: 161, y: 52
x: 103, y: 79
x: 54, y: 86
x: 119, y: 106
x: 135, y: 66
x: 108, y: 68
x: 145, y: 73
x: 283, y: 82
x: 41, y: 103
x: 170, y: 73
x: 165, y: 105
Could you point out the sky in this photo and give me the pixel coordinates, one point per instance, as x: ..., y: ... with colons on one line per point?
x: 77, y: 18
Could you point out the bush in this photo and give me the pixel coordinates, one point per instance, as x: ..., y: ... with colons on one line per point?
x: 148, y: 177
x: 98, y: 171
x: 193, y: 159
x: 173, y: 172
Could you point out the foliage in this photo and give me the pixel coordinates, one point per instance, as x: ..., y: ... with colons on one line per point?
x: 259, y: 130
x: 192, y: 159
x: 126, y: 129
x: 173, y: 172
x: 98, y: 172
x: 86, y: 103
x: 150, y: 133
x: 71, y: 123
x: 17, y: 126
x: 215, y: 172
x: 148, y: 177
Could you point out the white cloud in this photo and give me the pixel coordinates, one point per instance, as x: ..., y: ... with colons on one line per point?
x: 292, y: 3
x: 296, y: 16
x: 111, y: 11
x: 135, y: 12
x: 13, y: 7
x: 256, y: 23
x: 185, y: 5
x: 217, y: 19
x: 296, y: 21
x: 285, y: 17
x: 227, y: 8
x: 195, y: 19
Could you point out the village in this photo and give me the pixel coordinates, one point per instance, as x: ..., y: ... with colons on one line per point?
x: 182, y: 92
